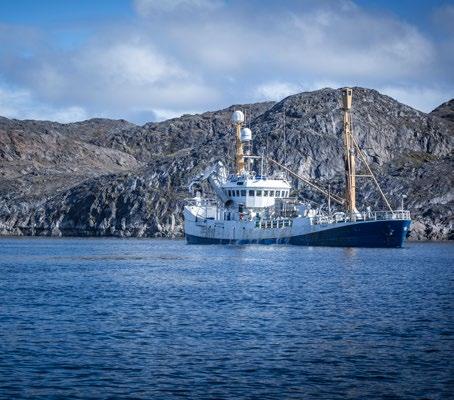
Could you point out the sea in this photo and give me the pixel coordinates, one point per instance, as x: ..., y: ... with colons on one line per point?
x: 115, y: 318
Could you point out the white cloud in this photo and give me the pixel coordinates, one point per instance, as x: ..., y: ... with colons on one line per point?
x: 202, y: 55
x: 117, y: 77
x: 130, y: 62
x: 326, y: 42
x: 20, y: 104
x: 422, y: 98
x: 276, y: 90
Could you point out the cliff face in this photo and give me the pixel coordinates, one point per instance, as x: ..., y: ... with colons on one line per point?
x: 104, y: 177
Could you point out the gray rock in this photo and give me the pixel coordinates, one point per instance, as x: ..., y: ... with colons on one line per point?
x: 112, y: 178
x: 445, y: 110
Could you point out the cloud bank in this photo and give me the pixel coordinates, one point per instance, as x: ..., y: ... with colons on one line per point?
x: 183, y: 56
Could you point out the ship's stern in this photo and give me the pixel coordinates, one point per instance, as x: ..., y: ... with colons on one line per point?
x: 380, y: 233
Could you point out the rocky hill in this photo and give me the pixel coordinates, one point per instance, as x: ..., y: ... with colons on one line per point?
x: 106, y: 177
x: 446, y: 111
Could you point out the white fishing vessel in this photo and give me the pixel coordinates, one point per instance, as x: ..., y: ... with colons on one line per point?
x: 250, y: 207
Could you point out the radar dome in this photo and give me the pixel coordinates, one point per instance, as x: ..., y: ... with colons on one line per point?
x: 237, y: 117
x: 246, y: 135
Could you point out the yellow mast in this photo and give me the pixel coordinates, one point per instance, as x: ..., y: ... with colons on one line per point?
x: 239, y: 158
x: 349, y: 157
x: 238, y: 120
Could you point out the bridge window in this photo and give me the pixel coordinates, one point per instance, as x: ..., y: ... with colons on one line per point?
x: 243, y: 193
x: 230, y: 193
x: 251, y: 193
x: 278, y: 193
x: 237, y: 193
x: 265, y: 192
x: 271, y: 193
x: 258, y: 193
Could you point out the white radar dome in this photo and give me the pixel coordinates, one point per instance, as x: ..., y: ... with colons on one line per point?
x: 237, y: 117
x: 246, y: 135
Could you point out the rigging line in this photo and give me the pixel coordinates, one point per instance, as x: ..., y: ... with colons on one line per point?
x: 334, y: 197
x: 266, y: 152
x: 285, y: 139
x: 363, y: 157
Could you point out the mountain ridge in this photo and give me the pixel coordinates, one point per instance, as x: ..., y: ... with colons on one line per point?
x: 111, y: 177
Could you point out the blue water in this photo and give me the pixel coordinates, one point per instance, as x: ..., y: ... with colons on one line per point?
x: 111, y: 318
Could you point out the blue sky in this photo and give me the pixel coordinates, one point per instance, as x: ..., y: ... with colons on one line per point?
x: 147, y: 60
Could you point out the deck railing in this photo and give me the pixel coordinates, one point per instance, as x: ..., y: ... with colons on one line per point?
x: 201, y: 202
x: 365, y: 216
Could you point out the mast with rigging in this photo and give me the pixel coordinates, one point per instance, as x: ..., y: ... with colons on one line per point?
x: 349, y: 156
x: 238, y: 120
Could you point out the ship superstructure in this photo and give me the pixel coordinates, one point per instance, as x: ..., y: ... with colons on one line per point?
x: 251, y: 207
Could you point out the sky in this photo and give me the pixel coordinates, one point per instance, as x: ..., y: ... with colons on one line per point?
x: 150, y: 60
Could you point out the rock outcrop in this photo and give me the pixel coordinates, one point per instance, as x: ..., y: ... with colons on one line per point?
x: 445, y: 111
x: 105, y: 177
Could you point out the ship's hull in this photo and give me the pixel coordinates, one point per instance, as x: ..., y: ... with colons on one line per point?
x: 388, y: 233
x: 192, y: 239
x: 361, y: 234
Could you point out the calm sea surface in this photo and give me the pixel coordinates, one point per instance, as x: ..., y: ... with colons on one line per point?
x: 111, y: 318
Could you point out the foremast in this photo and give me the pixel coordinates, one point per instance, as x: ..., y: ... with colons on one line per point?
x: 349, y: 156
x: 238, y: 120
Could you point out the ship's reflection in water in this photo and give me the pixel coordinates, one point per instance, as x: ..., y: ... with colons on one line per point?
x: 350, y: 252
x: 111, y: 318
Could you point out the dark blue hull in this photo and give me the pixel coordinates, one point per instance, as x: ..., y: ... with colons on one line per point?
x: 387, y: 233
x: 201, y: 240
x: 362, y: 234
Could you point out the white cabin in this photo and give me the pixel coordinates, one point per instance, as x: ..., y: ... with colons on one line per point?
x: 255, y: 192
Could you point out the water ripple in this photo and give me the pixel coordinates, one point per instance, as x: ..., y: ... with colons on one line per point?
x: 110, y: 318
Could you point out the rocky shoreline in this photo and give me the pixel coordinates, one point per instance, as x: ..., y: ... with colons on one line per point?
x: 113, y: 178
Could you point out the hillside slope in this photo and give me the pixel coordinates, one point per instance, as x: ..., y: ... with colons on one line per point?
x: 104, y: 177
x: 445, y: 111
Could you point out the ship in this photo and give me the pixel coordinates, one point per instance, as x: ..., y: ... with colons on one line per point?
x: 250, y: 207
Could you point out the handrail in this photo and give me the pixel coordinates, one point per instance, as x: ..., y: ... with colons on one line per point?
x: 366, y: 216
x: 200, y: 202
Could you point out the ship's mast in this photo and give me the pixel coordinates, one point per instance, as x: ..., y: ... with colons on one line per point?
x: 238, y: 120
x: 239, y: 157
x: 349, y: 157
